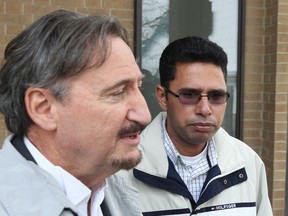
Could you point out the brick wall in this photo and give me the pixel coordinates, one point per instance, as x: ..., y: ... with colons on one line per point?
x: 265, y: 91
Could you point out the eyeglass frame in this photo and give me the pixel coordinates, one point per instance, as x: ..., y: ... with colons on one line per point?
x: 199, y: 98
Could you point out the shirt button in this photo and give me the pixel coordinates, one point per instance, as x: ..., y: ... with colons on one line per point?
x: 241, y: 175
x: 225, y: 181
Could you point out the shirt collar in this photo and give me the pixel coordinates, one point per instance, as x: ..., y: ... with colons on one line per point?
x: 75, y: 190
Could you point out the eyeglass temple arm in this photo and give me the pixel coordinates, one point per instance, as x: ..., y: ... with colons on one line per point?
x: 171, y: 92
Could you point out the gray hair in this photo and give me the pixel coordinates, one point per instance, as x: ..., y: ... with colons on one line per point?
x: 47, y: 54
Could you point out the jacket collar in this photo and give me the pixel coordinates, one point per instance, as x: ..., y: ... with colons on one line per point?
x: 23, y: 183
x: 154, y: 151
x: 20, y: 146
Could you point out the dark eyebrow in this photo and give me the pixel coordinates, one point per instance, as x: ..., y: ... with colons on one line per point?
x: 189, y: 90
x: 199, y: 90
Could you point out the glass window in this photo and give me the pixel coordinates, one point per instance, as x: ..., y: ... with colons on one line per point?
x: 159, y: 22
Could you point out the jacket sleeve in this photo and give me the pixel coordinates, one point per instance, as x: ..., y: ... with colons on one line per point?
x: 263, y: 202
x: 3, y: 212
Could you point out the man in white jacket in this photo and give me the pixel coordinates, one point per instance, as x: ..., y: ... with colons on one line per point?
x: 190, y: 165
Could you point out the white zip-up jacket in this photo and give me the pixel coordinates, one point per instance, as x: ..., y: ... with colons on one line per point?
x: 28, y: 190
x: 236, y: 186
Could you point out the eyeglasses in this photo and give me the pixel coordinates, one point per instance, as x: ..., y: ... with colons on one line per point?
x: 193, y: 97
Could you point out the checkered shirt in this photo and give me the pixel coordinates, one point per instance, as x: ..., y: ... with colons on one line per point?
x: 194, y: 177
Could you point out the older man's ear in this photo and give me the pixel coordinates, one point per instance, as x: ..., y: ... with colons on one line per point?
x: 39, y: 105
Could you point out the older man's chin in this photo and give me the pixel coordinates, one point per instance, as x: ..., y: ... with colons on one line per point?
x: 127, y: 163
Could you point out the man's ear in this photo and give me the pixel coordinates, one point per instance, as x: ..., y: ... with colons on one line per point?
x: 161, y: 97
x: 38, y: 102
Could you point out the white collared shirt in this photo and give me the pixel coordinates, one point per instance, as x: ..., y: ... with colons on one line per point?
x: 192, y: 170
x: 74, y: 189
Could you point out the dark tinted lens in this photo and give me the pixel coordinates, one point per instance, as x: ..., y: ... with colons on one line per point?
x: 189, y: 97
x: 217, y: 97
